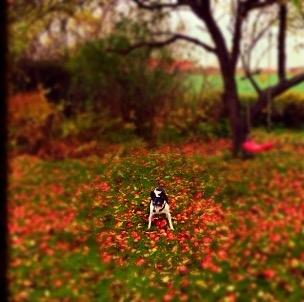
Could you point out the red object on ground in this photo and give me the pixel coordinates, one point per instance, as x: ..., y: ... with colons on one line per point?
x: 268, y: 146
x: 253, y: 147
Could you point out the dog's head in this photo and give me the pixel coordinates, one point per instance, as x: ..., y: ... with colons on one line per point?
x: 159, y: 198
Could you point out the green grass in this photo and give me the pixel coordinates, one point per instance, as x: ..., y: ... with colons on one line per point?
x: 78, y: 227
x: 214, y: 82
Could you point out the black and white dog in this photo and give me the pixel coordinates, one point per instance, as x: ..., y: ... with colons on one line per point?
x: 159, y: 205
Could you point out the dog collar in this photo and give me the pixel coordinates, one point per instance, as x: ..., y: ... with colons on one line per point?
x: 163, y: 206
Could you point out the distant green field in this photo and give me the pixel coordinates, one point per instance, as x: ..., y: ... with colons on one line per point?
x: 214, y: 82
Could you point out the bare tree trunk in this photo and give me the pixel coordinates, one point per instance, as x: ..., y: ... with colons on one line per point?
x: 282, y: 42
x: 240, y: 136
x: 237, y: 118
x: 237, y: 121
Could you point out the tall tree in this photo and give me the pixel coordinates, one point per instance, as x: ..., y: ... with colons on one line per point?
x: 56, y: 21
x: 228, y: 53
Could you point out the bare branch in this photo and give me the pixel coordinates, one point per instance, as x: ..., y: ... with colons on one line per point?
x: 255, y: 4
x: 274, y: 91
x: 285, y: 84
x: 148, y: 44
x: 246, y: 55
x: 237, y: 35
x: 249, y: 76
x: 157, y: 6
x: 260, y: 35
x: 263, y: 54
x: 174, y: 38
x: 202, y: 9
x: 188, y: 39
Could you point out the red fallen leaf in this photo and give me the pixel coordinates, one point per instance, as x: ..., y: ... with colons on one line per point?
x: 43, y: 246
x: 198, y: 195
x: 152, y: 236
x: 57, y: 189
x: 168, y: 297
x: 182, y: 269
x: 206, y: 240
x: 103, y: 186
x: 17, y: 240
x: 140, y: 262
x: 207, y: 263
x: 183, y: 297
x: 63, y: 246
x: 169, y: 285
x: 275, y: 237
x: 184, y: 283
x: 195, y: 244
x: 231, y: 297
x: 163, y: 233
x: 119, y: 262
x: 108, y: 241
x: 297, y: 184
x: 161, y: 223
x: 57, y: 283
x: 269, y: 273
x: 106, y: 257
x: 222, y: 255
x: 197, y: 230
x: 129, y: 224
x: 170, y: 236
x: 135, y: 236
x: 16, y: 262
x: 49, y: 252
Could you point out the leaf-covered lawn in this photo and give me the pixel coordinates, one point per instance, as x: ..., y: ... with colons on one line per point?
x: 78, y: 228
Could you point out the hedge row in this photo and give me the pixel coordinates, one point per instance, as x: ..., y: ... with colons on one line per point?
x: 33, y: 120
x: 286, y: 111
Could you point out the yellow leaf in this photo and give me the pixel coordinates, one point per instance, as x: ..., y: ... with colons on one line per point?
x: 166, y: 279
x: 201, y: 283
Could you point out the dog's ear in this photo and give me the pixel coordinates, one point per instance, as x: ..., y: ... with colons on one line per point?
x: 164, y: 196
x: 152, y: 195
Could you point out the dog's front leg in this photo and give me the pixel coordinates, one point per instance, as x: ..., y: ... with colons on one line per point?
x: 150, y: 215
x: 169, y: 220
x: 150, y: 220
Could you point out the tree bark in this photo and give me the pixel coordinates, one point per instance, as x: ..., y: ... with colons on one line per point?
x: 282, y: 42
x: 237, y: 119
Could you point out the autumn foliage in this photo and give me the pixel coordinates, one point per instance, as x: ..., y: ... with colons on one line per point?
x: 30, y: 120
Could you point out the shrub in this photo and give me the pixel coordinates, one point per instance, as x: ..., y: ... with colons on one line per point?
x: 286, y: 110
x: 201, y: 114
x: 289, y: 109
x: 28, y: 75
x: 124, y: 84
x: 31, y: 120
